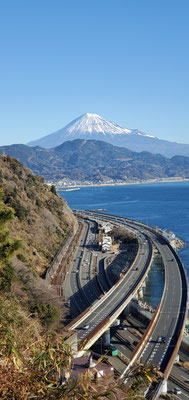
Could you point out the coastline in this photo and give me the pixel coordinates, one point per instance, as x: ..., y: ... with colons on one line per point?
x: 147, y: 182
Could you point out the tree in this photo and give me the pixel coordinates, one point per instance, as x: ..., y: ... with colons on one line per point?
x: 7, y: 246
x: 53, y: 189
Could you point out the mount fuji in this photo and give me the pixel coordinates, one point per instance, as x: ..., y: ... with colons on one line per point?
x: 94, y: 127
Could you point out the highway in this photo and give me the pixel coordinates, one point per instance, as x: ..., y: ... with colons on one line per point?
x: 80, y: 287
x: 107, y: 305
x: 123, y: 340
x: 172, y: 314
x: 86, y: 293
x: 155, y: 351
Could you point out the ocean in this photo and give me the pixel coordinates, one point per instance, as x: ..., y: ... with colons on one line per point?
x: 165, y: 205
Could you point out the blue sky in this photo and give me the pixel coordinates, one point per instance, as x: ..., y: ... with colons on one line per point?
x: 126, y: 60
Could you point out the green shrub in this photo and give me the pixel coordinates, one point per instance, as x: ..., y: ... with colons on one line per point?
x: 41, y: 179
x: 16, y: 166
x: 7, y: 276
x: 12, y: 201
x: 38, y: 203
x: 53, y: 189
x: 46, y: 312
x: 7, y: 248
x: 10, y: 194
x: 31, y: 180
x: 20, y: 211
x: 21, y: 257
x: 31, y: 194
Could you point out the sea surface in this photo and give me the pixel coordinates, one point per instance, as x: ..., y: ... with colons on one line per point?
x: 165, y: 205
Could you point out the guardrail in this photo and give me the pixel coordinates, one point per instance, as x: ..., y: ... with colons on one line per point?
x: 96, y: 304
x: 139, y: 348
x: 182, y: 316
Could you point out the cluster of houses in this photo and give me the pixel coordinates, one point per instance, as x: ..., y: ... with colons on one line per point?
x: 104, y: 240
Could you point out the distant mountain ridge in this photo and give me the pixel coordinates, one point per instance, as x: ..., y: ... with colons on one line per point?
x: 93, y: 127
x: 95, y: 161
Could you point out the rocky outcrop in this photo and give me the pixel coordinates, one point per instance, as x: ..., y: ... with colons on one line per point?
x: 177, y: 244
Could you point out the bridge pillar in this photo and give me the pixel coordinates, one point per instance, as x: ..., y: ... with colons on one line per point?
x: 127, y: 310
x: 164, y: 386
x: 140, y: 292
x: 106, y: 338
x: 144, y: 284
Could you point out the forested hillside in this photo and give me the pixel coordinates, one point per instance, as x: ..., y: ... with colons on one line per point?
x: 97, y: 162
x: 38, y: 222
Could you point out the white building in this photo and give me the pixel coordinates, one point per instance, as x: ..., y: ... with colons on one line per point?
x: 106, y: 243
x: 105, y: 227
x: 168, y: 235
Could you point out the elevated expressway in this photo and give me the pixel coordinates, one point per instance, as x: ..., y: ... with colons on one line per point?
x: 95, y: 309
x: 170, y: 316
x: 172, y: 308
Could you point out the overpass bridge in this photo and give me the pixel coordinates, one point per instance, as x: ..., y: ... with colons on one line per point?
x: 170, y: 316
x: 103, y: 312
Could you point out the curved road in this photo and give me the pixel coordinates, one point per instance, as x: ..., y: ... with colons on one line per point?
x: 173, y: 308
x: 123, y: 291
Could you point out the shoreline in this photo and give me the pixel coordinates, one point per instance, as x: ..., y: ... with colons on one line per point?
x: 147, y: 182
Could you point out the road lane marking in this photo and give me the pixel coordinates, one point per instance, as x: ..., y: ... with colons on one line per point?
x: 185, y: 377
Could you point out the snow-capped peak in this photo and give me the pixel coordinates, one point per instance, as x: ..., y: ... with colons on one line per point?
x: 89, y: 126
x: 94, y: 123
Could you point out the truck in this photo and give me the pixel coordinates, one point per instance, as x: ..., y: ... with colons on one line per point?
x: 113, y: 350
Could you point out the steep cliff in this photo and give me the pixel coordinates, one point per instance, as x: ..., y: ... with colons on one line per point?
x: 42, y: 222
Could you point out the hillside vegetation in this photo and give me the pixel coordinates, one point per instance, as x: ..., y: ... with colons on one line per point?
x: 42, y: 218
x: 34, y: 222
x: 39, y: 222
x: 94, y: 161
